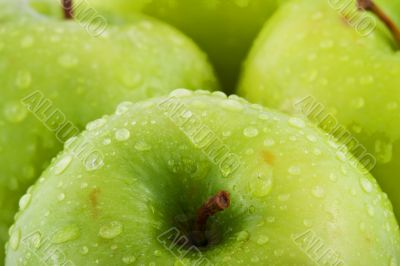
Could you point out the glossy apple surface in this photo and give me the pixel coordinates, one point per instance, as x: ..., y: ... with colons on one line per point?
x: 354, y: 78
x: 225, y: 30
x: 76, y: 78
x: 290, y: 186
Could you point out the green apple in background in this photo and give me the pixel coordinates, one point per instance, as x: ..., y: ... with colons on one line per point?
x: 287, y: 185
x: 308, y: 55
x: 77, y: 77
x: 225, y: 30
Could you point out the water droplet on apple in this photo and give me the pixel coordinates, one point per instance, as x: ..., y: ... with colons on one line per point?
x: 142, y: 146
x: 25, y: 201
x: 84, y: 250
x: 297, y: 122
x: 15, y: 112
x: 68, y: 233
x: 370, y: 210
x: 62, y: 164
x: 262, y: 240
x: 122, y: 134
x: 123, y: 108
x: 24, y: 79
x: 294, y: 170
x: 96, y: 124
x: 219, y: 94
x: 262, y: 187
x: 68, y: 60
x: 61, y: 197
x: 231, y: 105
x: 383, y: 151
x: 366, y: 185
x: 250, y: 132
x: 111, y: 230
x: 27, y: 41
x: 15, y: 239
x: 129, y: 259
x: 181, y: 93
x: 318, y: 192
x: 269, y: 142
x: 243, y: 236
x: 106, y: 141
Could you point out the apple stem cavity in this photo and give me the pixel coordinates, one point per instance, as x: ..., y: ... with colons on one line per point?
x: 369, y: 5
x: 215, y: 204
x: 68, y: 9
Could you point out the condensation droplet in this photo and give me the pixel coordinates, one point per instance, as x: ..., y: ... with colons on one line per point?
x: 262, y: 240
x: 84, y: 250
x: 269, y: 142
x: 129, y: 259
x: 243, y: 236
x: 96, y: 124
x: 111, y: 230
x: 25, y: 201
x: 142, y: 146
x: 232, y: 105
x: 366, y: 185
x: 250, y: 132
x: 123, y: 108
x: 297, y: 122
x: 15, y: 112
x: 181, y: 93
x: 294, y: 170
x: 61, y: 197
x: 384, y: 151
x: 122, y: 134
x: 68, y: 233
x: 15, y: 239
x: 62, y: 164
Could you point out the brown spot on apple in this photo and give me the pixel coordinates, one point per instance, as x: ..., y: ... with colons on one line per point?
x: 94, y: 200
x: 268, y: 157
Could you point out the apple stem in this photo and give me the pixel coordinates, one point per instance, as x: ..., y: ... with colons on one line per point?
x: 215, y: 204
x: 67, y: 8
x: 369, y: 5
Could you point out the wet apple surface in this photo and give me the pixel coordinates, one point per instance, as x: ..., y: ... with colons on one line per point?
x: 160, y: 160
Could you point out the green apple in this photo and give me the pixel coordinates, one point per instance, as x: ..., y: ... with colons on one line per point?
x: 294, y: 197
x: 223, y: 29
x: 310, y: 51
x: 77, y: 78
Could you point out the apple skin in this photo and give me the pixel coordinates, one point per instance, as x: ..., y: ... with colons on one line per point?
x: 225, y: 30
x: 84, y: 77
x: 157, y: 167
x: 356, y: 78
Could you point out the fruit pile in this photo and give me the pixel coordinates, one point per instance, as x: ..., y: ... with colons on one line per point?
x: 120, y: 146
